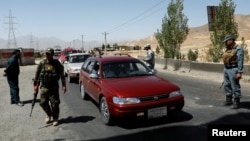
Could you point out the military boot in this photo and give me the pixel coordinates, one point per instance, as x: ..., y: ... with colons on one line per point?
x: 228, y: 101
x: 236, y: 103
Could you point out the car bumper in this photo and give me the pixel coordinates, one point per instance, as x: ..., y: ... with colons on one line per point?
x: 74, y: 75
x: 143, y: 109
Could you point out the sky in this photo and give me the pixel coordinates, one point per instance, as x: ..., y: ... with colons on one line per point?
x: 89, y: 20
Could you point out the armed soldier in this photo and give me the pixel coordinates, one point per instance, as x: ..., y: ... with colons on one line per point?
x: 233, y: 59
x: 48, y: 73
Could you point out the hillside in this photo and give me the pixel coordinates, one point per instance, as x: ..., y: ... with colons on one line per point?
x: 199, y: 37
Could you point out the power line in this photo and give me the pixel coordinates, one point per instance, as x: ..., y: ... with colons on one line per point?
x: 136, y: 17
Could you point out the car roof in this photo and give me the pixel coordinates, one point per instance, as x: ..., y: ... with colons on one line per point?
x: 110, y: 58
x: 73, y: 54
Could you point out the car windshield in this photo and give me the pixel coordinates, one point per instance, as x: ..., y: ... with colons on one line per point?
x: 78, y: 58
x: 124, y: 69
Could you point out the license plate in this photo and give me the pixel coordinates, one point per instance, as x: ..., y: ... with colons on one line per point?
x: 157, y: 112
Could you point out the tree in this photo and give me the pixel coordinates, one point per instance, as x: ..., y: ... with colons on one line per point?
x: 244, y: 45
x: 222, y: 25
x: 158, y: 50
x: 174, y: 30
x: 192, y: 55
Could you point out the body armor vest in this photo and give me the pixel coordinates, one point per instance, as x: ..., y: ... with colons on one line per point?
x: 229, y: 57
x: 49, y: 73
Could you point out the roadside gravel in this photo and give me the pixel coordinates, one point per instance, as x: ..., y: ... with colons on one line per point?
x: 17, y: 125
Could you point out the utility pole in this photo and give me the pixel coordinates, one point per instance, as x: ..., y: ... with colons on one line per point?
x: 105, y: 37
x: 82, y: 44
x: 31, y: 41
x: 11, y: 38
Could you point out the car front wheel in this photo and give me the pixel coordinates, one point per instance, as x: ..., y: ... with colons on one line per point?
x: 83, y: 93
x: 104, y: 109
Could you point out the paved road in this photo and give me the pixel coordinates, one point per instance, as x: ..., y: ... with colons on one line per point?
x: 80, y: 120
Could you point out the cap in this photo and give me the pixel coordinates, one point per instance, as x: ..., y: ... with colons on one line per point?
x: 16, y: 51
x: 147, y: 46
x: 50, y: 51
x: 228, y: 37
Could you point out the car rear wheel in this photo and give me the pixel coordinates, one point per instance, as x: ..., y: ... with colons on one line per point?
x: 104, y: 109
x: 83, y: 93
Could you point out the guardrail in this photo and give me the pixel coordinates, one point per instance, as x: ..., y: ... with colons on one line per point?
x: 197, y: 68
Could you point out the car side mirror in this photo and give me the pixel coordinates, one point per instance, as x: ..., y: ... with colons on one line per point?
x: 153, y: 71
x: 93, y: 75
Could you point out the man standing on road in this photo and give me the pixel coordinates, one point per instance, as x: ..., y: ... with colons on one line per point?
x: 233, y: 59
x: 48, y: 73
x: 150, y: 59
x: 12, y: 72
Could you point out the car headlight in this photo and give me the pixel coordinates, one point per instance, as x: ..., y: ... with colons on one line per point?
x: 128, y: 100
x: 174, y: 94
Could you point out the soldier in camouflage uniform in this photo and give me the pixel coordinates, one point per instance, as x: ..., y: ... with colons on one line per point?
x: 48, y: 73
x: 233, y: 59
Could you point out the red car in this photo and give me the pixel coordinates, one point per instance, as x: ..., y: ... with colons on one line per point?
x: 64, y: 55
x: 124, y: 86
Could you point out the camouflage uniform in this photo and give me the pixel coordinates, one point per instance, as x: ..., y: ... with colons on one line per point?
x: 233, y: 59
x: 48, y: 74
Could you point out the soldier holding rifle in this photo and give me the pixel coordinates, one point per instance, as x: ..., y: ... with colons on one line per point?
x: 48, y: 73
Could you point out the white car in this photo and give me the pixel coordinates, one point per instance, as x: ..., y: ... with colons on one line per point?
x: 73, y: 66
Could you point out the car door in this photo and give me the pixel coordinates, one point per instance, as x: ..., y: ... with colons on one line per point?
x: 93, y: 86
x: 84, y: 74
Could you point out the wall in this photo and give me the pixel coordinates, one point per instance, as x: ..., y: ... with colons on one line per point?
x: 197, y: 68
x: 27, y: 56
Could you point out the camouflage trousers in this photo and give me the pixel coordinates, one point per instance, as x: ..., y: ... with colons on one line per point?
x: 49, y: 101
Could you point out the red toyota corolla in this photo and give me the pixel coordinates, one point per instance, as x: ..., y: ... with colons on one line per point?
x: 124, y: 86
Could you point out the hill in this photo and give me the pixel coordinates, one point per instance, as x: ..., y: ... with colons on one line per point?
x: 199, y: 37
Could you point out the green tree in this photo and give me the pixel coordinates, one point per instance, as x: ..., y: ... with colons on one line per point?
x: 137, y: 47
x: 244, y: 45
x: 103, y: 47
x: 222, y: 25
x: 192, y: 55
x: 157, y: 50
x: 174, y: 30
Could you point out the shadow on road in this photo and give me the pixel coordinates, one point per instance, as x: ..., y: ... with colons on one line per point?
x: 30, y: 101
x: 245, y: 105
x: 179, y: 116
x: 79, y: 119
x: 182, y: 132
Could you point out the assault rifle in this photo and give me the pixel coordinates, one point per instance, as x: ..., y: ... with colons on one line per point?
x: 34, y: 98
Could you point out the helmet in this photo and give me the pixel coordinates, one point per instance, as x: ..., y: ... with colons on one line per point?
x: 147, y: 46
x: 228, y: 37
x: 50, y: 51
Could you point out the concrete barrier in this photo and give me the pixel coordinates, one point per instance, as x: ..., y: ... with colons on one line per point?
x: 27, y: 56
x: 203, y: 69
